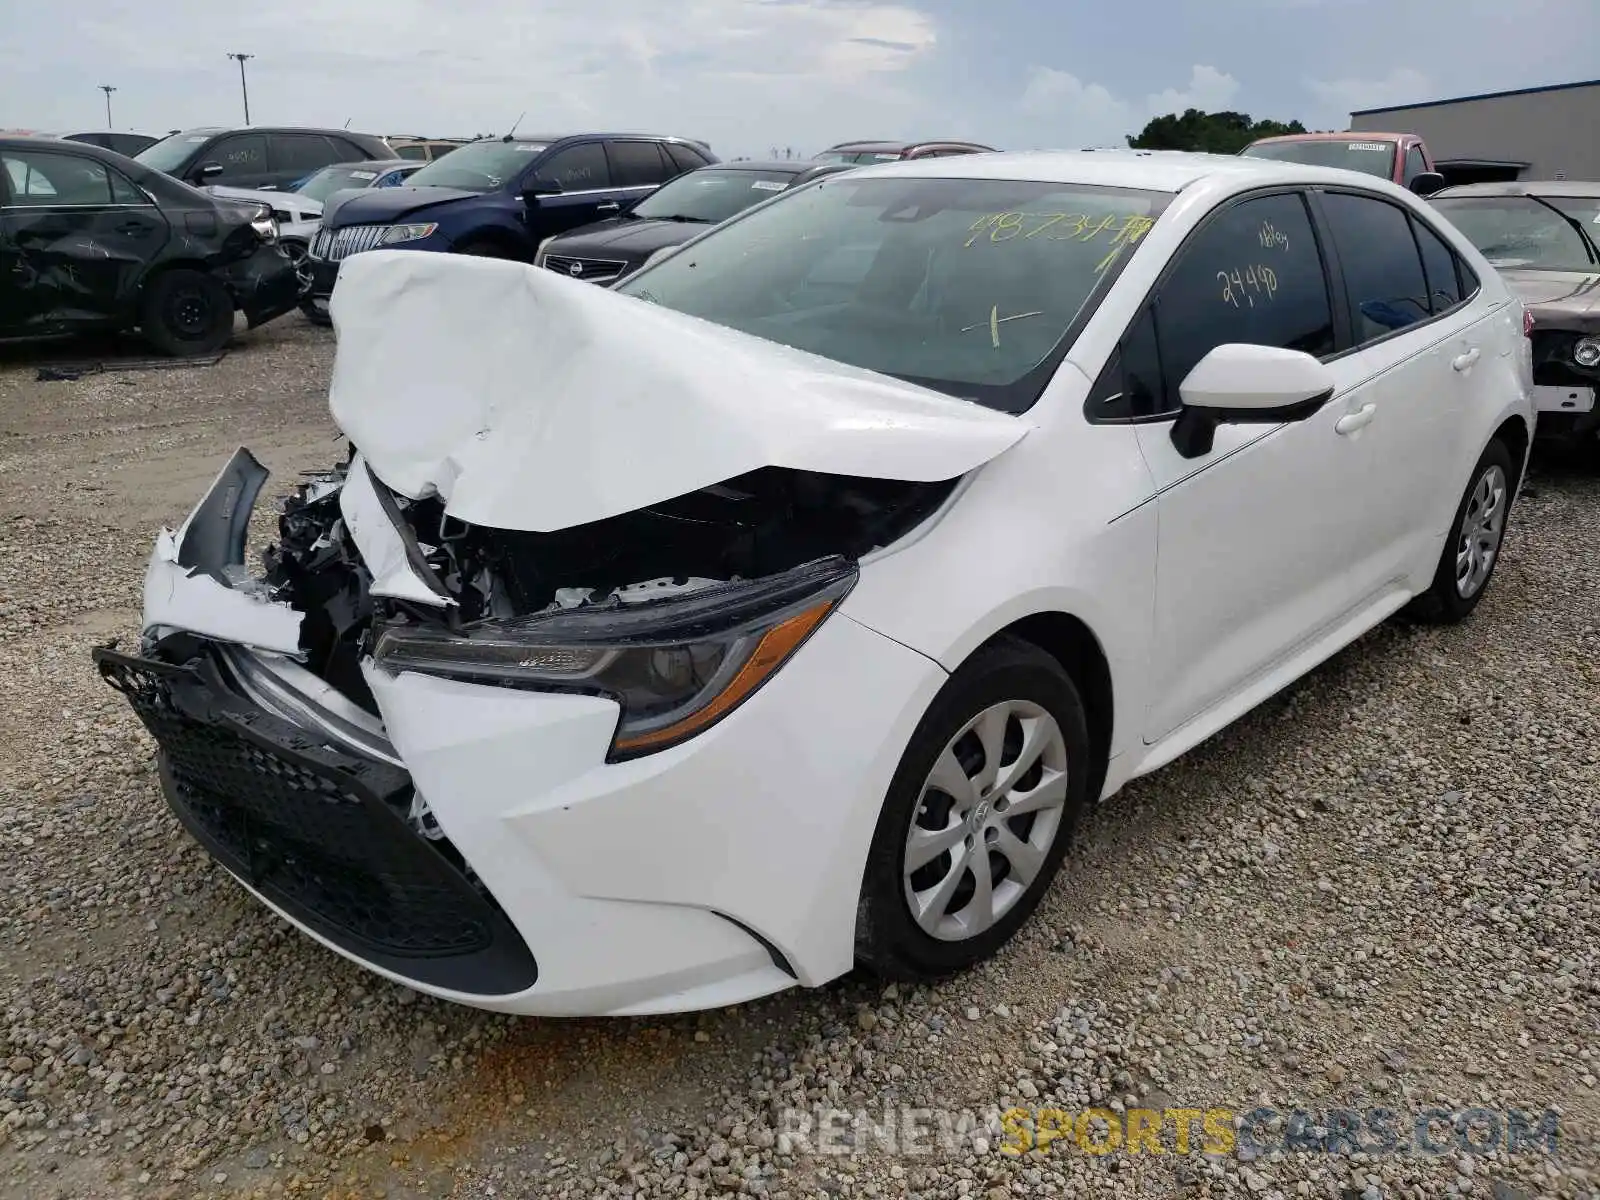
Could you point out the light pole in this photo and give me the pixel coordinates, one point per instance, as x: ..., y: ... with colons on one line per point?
x: 108, y: 89
x: 243, y: 87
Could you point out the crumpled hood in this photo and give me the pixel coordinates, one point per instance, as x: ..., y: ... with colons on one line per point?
x: 1559, y: 299
x: 530, y: 401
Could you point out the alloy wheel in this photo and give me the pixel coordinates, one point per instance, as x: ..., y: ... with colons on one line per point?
x: 1482, y: 526
x: 989, y: 812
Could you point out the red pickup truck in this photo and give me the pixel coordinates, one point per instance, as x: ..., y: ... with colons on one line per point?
x: 1402, y: 158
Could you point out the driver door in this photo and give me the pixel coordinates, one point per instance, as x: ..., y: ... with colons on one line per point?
x: 1269, y: 539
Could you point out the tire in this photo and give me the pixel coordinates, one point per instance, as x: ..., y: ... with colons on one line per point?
x: 297, y: 252
x: 186, y: 312
x: 1472, y: 549
x: 1014, y: 682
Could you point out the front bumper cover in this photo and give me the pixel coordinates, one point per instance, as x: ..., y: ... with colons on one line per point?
x: 319, y: 832
x: 265, y: 285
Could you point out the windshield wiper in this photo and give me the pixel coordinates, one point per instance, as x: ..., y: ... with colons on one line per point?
x: 680, y: 219
x: 1589, y: 247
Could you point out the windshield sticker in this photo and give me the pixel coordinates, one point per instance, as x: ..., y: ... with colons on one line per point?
x: 363, y: 174
x: 204, y: 137
x: 526, y: 148
x: 1255, y: 281
x: 885, y: 157
x: 1271, y: 237
x: 1378, y: 146
x: 767, y: 185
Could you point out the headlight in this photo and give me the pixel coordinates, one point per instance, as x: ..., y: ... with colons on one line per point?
x: 265, y: 226
x: 1587, y: 352
x: 407, y: 233
x: 675, y: 666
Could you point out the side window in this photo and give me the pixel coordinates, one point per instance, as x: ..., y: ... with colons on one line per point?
x: 414, y: 153
x: 1469, y: 281
x: 1131, y: 384
x: 44, y: 180
x: 1414, y: 164
x: 1382, y: 267
x: 124, y: 192
x: 242, y: 154
x: 302, y: 152
x: 344, y: 151
x: 1439, y: 265
x: 577, y: 168
x: 683, y: 158
x: 1252, y: 274
x: 638, y: 164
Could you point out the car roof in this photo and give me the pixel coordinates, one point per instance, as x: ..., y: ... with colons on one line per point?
x: 1148, y: 170
x: 893, y: 147
x: 1523, y: 187
x: 216, y: 129
x: 789, y: 166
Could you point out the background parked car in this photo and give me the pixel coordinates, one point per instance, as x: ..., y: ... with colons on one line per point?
x: 109, y: 139
x: 1401, y: 158
x: 500, y: 198
x: 877, y: 152
x: 299, y: 212
x: 419, y: 149
x: 609, y: 249
x: 91, y: 239
x: 1542, y: 237
x: 257, y: 156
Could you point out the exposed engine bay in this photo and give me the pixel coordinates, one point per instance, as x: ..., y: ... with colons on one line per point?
x: 757, y: 525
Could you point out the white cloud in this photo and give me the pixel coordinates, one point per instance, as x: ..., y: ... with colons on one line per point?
x: 1403, y: 85
x: 1089, y: 114
x: 731, y: 71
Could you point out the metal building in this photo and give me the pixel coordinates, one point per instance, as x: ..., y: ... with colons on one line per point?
x: 1531, y: 133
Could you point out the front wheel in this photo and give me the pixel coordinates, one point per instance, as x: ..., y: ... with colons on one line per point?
x: 978, y: 816
x: 186, y: 312
x: 1473, y: 551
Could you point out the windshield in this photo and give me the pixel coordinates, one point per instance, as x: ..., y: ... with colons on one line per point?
x: 330, y: 179
x: 969, y: 286
x: 1370, y: 158
x: 709, y: 195
x: 1520, y: 232
x: 480, y: 167
x: 170, y: 152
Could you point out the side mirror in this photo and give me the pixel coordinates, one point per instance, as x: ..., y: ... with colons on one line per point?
x: 1427, y: 183
x: 1238, y: 384
x: 208, y: 170
x: 541, y: 187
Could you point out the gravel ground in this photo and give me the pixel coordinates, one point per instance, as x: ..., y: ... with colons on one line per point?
x: 1382, y: 889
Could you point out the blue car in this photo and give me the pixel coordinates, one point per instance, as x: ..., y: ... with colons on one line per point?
x: 500, y: 198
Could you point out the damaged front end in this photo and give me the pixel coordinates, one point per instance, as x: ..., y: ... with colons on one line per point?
x: 259, y: 687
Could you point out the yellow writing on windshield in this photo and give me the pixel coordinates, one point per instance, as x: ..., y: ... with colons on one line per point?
x: 1122, y: 229
x: 1248, y: 283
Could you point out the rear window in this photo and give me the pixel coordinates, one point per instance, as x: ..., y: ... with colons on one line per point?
x: 1370, y: 158
x: 967, y: 286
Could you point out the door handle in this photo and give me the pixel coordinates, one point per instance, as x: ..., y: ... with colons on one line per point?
x: 1464, y: 362
x: 1359, y: 419
x: 133, y: 228
x: 608, y: 206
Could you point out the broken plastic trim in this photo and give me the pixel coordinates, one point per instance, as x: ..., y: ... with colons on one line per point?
x: 674, y: 666
x: 214, y: 535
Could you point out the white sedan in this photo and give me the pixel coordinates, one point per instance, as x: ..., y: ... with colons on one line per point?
x: 783, y: 609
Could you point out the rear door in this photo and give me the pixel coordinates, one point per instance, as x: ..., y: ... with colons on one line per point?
x: 295, y: 157
x: 584, y: 176
x: 638, y: 167
x: 1416, y: 352
x: 78, y: 237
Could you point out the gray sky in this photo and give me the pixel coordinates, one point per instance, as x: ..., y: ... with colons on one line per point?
x: 748, y: 75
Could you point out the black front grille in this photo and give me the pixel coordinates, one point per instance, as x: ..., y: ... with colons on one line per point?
x: 318, y: 831
x: 590, y: 270
x: 1553, y: 364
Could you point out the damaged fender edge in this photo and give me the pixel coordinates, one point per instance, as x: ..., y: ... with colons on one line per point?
x: 189, y: 585
x: 388, y: 548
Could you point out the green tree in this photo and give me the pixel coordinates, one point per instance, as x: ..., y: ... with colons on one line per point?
x: 1211, y: 133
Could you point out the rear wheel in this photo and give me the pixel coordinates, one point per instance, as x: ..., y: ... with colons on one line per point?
x: 978, y: 816
x: 186, y: 312
x: 1472, y: 552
